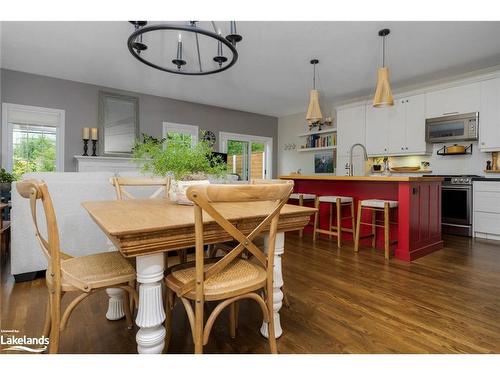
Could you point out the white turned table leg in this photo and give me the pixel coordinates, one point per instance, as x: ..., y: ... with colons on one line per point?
x: 277, y: 284
x: 150, y: 315
x: 115, y: 304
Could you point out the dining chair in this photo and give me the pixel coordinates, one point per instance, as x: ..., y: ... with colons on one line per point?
x: 284, y: 289
x: 85, y: 274
x: 231, y: 278
x: 163, y: 186
x: 300, y: 198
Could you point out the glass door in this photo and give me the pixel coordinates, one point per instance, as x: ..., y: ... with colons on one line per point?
x: 248, y: 157
x: 258, y: 160
x: 237, y: 158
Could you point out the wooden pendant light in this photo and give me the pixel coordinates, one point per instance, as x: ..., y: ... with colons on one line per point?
x: 314, y: 111
x: 383, y: 93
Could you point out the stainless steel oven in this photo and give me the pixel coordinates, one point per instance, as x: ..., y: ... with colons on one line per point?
x: 454, y: 128
x: 456, y: 204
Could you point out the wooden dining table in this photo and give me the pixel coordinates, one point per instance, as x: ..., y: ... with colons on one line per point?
x: 145, y: 229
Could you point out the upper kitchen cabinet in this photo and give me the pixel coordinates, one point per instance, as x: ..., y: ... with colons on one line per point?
x: 397, y: 130
x: 453, y: 100
x: 415, y: 126
x: 377, y: 130
x: 489, y: 116
x: 350, y: 128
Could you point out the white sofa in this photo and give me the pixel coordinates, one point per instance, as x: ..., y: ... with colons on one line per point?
x: 79, y: 235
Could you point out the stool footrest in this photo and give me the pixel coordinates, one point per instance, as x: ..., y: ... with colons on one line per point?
x: 333, y: 233
x: 348, y: 230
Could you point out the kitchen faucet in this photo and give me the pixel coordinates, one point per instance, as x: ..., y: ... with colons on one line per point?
x: 351, y: 166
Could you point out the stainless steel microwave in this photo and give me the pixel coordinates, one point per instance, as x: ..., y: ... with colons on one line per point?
x: 460, y: 127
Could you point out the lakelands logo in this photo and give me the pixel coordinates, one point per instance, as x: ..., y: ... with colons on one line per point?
x: 22, y: 343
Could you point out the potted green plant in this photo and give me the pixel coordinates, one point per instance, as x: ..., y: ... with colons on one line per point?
x: 6, y: 180
x: 188, y: 165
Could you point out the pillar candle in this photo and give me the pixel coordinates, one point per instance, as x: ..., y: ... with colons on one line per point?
x: 86, y: 133
x: 94, y: 133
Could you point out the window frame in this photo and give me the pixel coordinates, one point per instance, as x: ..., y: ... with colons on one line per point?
x: 268, y: 142
x: 7, y: 130
x: 173, y: 127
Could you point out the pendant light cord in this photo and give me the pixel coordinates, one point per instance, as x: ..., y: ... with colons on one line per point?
x: 314, y: 76
x: 383, y: 52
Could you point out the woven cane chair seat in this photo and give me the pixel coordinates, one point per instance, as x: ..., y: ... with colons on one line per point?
x: 97, y: 270
x: 238, y: 277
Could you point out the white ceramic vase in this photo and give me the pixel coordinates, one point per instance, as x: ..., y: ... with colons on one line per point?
x: 178, y: 190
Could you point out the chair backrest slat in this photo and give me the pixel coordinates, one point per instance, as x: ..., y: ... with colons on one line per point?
x: 35, y: 190
x: 208, y: 198
x: 120, y: 183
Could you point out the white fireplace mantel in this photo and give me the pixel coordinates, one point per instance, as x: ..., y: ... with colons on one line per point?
x: 105, y: 164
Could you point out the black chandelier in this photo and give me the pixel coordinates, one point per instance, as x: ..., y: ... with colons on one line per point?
x: 138, y: 47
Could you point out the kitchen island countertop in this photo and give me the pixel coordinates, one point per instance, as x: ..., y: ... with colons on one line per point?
x: 391, y: 178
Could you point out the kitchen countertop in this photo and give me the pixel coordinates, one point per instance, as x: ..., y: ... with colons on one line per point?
x: 362, y: 178
x: 485, y: 178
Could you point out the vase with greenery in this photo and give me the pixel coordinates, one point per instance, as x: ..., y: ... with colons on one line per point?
x: 186, y: 164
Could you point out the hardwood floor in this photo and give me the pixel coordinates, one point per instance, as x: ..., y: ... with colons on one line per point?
x: 341, y: 302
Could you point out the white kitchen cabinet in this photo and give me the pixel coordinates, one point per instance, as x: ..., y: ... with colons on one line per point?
x: 377, y: 130
x: 453, y: 100
x: 415, y: 126
x: 397, y: 130
x: 350, y: 128
x: 489, y: 116
x: 397, y: 127
x: 486, y: 205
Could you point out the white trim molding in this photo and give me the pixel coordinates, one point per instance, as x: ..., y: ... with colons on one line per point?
x: 42, y: 116
x: 268, y: 142
x: 113, y: 164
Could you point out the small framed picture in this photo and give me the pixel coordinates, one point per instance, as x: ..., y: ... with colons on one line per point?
x: 324, y: 163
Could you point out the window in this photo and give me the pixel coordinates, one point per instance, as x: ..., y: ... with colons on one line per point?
x: 248, y: 156
x: 32, y: 139
x: 187, y: 134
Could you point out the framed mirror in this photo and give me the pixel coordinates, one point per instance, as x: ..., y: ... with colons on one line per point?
x: 118, y: 123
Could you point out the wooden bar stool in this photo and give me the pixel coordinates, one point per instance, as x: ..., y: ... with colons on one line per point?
x: 376, y: 205
x: 339, y: 202
x: 301, y: 197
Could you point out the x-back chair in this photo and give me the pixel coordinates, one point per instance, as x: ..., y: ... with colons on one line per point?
x: 163, y: 184
x: 230, y: 278
x: 86, y: 274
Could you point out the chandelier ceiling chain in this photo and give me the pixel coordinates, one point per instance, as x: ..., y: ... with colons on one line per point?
x: 137, y: 46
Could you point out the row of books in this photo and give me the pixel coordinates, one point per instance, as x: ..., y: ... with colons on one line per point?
x: 317, y: 140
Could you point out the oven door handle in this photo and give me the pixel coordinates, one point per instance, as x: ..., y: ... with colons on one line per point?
x: 448, y: 187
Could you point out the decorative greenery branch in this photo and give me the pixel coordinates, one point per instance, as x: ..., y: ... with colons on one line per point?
x: 177, y: 157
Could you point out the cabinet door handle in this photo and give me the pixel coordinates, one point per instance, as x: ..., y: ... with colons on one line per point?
x: 450, y: 113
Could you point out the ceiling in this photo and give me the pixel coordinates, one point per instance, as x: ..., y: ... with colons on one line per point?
x: 273, y: 74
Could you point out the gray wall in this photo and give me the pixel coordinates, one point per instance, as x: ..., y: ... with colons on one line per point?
x: 80, y: 100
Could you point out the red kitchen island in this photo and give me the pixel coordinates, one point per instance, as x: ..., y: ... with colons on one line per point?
x: 418, y: 216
